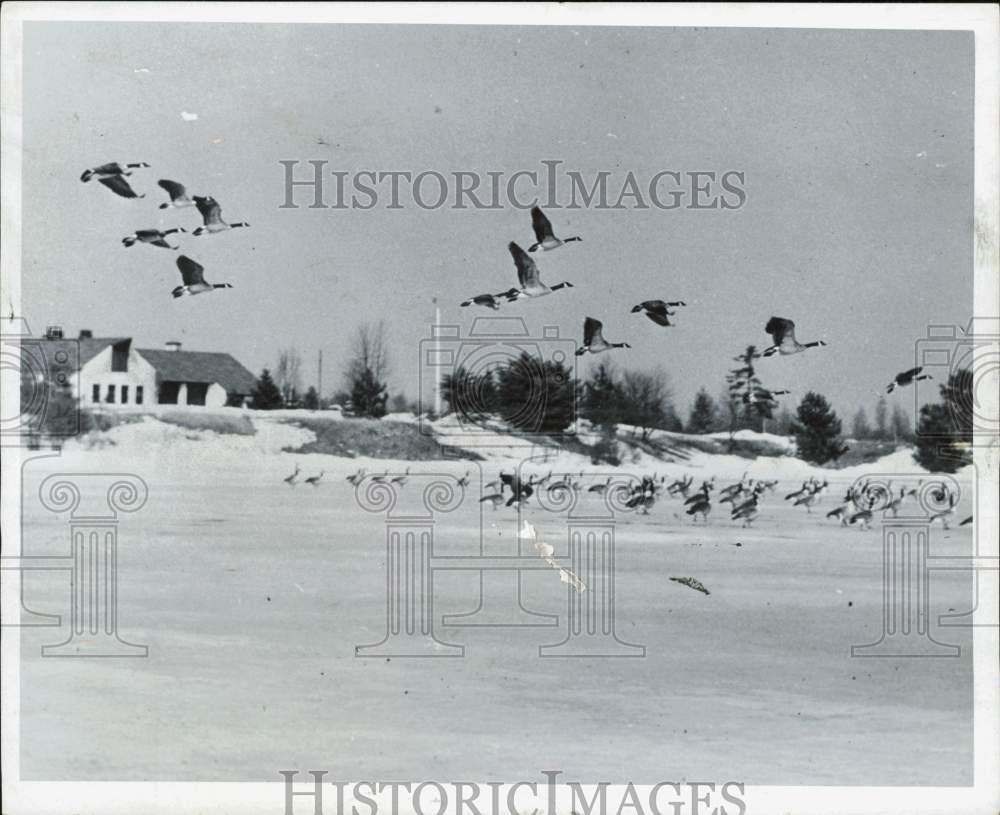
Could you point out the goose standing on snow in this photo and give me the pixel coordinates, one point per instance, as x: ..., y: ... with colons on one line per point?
x: 112, y: 176
x: 192, y: 273
x: 154, y: 237
x: 544, y: 236
x: 907, y: 378
x: 290, y: 480
x: 178, y: 194
x: 528, y: 277
x: 593, y: 339
x: 658, y: 310
x: 211, y: 213
x: 782, y: 333
x: 315, y: 479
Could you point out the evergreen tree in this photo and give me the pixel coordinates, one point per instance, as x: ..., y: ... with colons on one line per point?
x: 817, y: 430
x: 704, y: 414
x: 881, y: 420
x: 860, y: 429
x: 944, y: 427
x: 368, y: 395
x: 311, y: 400
x: 784, y: 423
x: 603, y: 400
x: 536, y: 396
x: 266, y: 395
x: 746, y: 412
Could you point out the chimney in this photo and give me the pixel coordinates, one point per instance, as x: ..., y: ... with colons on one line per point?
x: 86, y: 334
x: 53, y: 332
x: 173, y: 345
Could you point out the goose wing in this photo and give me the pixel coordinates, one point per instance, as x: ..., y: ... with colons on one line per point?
x: 658, y: 315
x: 541, y: 225
x: 191, y: 271
x: 118, y: 185
x: 174, y: 190
x: 150, y: 234
x: 210, y: 210
x: 780, y: 330
x: 592, y: 331
x: 111, y: 168
x: 527, y: 271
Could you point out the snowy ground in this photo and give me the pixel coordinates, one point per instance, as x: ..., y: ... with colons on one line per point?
x: 252, y: 597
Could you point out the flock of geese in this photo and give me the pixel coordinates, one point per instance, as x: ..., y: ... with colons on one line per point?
x: 115, y: 177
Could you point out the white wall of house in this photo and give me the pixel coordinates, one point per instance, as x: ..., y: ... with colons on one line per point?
x: 216, y: 396
x: 97, y: 373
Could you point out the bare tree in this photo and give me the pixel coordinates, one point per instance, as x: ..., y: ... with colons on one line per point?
x: 646, y: 400
x: 288, y: 374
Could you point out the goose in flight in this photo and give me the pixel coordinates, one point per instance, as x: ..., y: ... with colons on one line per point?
x: 907, y: 378
x: 154, y: 237
x: 544, y: 236
x: 178, y: 194
x: 782, y: 333
x: 112, y: 176
x: 192, y: 273
x: 658, y: 310
x: 211, y: 213
x: 593, y: 339
x: 488, y: 300
x: 691, y: 583
x: 528, y: 277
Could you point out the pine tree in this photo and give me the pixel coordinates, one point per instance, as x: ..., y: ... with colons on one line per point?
x: 536, y: 396
x: 704, y: 414
x: 860, y: 429
x: 743, y: 384
x: 368, y: 395
x: 266, y: 396
x: 311, y: 400
x: 944, y: 426
x: 817, y: 430
x: 881, y: 420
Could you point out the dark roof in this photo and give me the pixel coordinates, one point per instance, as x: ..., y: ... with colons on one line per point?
x: 200, y: 366
x: 88, y: 348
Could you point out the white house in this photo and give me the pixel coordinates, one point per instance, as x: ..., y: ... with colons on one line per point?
x: 115, y: 373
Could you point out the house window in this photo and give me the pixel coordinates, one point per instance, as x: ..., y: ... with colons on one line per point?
x: 138, y: 394
x: 110, y: 398
x: 124, y: 394
x: 96, y: 394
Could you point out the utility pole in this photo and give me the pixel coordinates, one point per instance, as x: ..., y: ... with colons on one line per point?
x: 319, y: 377
x: 437, y: 355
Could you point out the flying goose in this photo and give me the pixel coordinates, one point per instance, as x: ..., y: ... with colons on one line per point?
x: 544, y: 236
x: 315, y: 479
x: 782, y: 332
x: 211, y: 213
x: 194, y: 279
x: 691, y: 583
x: 593, y: 339
x: 154, y: 237
x: 528, y: 277
x: 907, y: 378
x: 178, y: 194
x: 112, y: 176
x: 487, y: 300
x: 290, y: 480
x: 657, y: 310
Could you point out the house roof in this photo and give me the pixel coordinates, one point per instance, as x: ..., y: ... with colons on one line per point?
x: 88, y: 348
x: 200, y: 366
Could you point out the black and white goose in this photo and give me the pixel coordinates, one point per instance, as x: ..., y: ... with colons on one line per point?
x: 658, y: 310
x: 544, y: 236
x: 488, y: 300
x: 178, y: 194
x: 782, y: 333
x: 211, y: 213
x: 154, y: 237
x: 290, y: 480
x: 315, y: 479
x: 528, y: 277
x: 112, y: 176
x: 193, y: 275
x: 907, y: 378
x: 593, y: 339
x: 763, y: 396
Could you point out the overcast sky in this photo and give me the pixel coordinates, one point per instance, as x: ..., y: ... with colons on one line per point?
x: 856, y: 149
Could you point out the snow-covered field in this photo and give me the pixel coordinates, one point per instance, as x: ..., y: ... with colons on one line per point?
x: 252, y: 596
